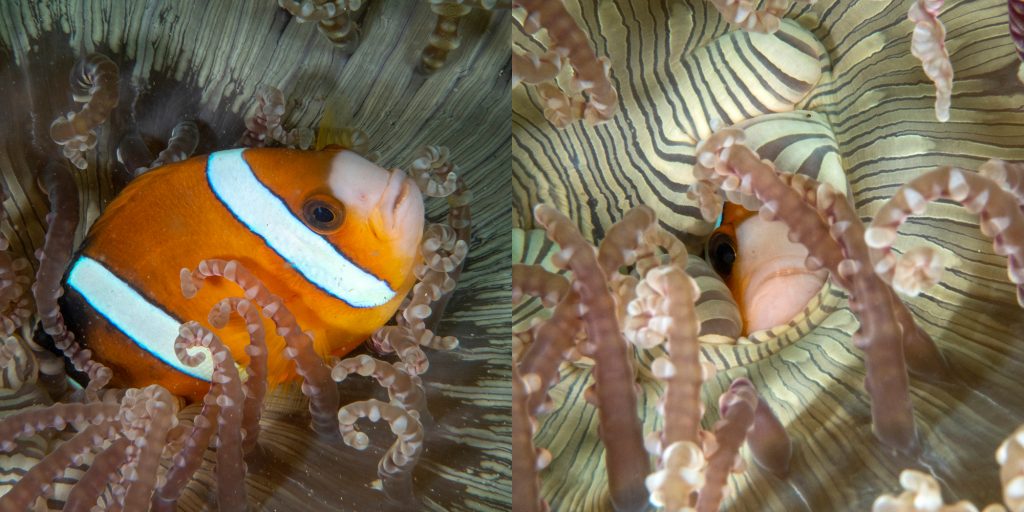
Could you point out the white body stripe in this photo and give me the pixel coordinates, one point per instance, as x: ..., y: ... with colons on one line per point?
x: 268, y: 216
x: 148, y: 325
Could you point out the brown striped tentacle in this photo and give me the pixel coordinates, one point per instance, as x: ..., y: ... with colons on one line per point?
x: 317, y: 383
x: 1000, y: 217
x: 591, y: 73
x: 626, y: 459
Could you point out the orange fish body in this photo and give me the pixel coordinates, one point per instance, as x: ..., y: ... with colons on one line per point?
x: 333, y: 235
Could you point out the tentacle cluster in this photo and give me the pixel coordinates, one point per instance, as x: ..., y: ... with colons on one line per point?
x: 444, y: 250
x: 824, y: 222
x: 569, y: 46
x: 744, y: 14
x: 265, y: 126
x: 334, y: 18
x: 659, y: 308
x: 128, y: 434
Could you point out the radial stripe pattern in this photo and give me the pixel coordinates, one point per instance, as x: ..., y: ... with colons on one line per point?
x: 851, y: 104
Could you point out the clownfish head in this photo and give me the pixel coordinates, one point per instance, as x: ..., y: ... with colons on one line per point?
x: 764, y: 269
x: 358, y: 229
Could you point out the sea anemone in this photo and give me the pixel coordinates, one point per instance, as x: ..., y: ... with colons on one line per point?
x: 217, y: 76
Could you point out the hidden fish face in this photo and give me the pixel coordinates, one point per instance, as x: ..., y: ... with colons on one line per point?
x: 332, y: 234
x: 764, y: 269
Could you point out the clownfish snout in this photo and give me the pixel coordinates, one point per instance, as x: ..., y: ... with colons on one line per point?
x: 401, y: 210
x: 389, y: 200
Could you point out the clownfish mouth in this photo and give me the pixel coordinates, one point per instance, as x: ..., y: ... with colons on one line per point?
x: 778, y: 291
x: 389, y: 200
x: 395, y: 203
x: 400, y: 212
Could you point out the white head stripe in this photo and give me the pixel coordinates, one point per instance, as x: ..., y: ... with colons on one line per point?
x: 147, y: 325
x: 268, y: 216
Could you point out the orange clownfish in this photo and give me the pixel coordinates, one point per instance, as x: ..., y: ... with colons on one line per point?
x: 334, y: 235
x: 764, y: 270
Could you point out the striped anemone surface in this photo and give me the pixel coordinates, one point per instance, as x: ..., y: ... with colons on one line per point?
x: 837, y: 95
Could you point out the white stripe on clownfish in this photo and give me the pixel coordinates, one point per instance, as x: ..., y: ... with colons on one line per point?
x: 266, y: 215
x: 149, y: 326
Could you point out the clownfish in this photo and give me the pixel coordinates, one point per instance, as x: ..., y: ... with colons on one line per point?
x: 764, y: 270
x: 332, y: 234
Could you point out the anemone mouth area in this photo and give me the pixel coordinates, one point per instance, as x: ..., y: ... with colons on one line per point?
x: 731, y: 352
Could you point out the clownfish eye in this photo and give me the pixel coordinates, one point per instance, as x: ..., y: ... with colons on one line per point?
x: 721, y: 253
x: 323, y: 215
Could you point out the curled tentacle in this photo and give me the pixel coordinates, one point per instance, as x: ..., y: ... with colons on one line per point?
x: 335, y: 19
x: 443, y: 251
x: 230, y: 466
x: 433, y: 172
x: 94, y: 82
x: 928, y: 44
x: 1000, y: 214
x: 400, y: 340
x: 395, y: 468
x: 445, y: 37
x: 1009, y: 175
x: 404, y: 389
x: 183, y: 142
